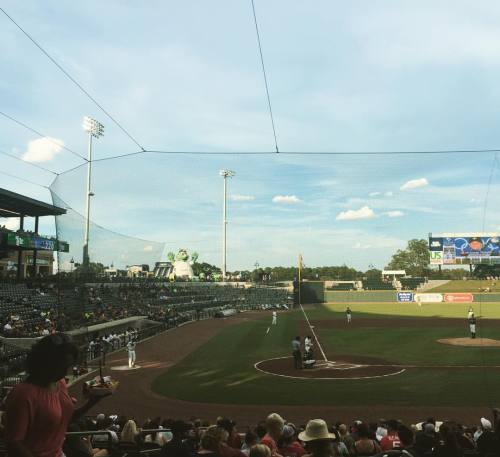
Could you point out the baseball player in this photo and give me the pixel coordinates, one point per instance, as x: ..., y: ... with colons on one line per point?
x: 472, y: 326
x: 348, y: 314
x: 308, y: 345
x: 131, y: 353
x: 471, y: 313
x: 275, y: 318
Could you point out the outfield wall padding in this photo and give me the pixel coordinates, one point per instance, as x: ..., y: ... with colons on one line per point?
x: 375, y: 296
x: 312, y: 292
x: 487, y: 298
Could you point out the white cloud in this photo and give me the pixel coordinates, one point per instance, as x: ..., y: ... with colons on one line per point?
x: 43, y: 149
x: 286, y: 199
x: 148, y: 248
x: 242, y: 198
x: 363, y: 213
x: 374, y: 194
x: 395, y: 213
x: 12, y: 223
x: 389, y: 193
x: 414, y: 184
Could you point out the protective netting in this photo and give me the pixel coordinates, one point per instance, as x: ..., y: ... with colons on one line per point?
x: 106, y: 247
x: 353, y: 210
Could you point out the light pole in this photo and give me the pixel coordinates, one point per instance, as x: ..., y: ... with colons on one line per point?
x: 94, y: 129
x: 225, y: 174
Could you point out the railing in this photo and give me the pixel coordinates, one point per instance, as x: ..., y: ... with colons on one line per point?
x: 111, y: 445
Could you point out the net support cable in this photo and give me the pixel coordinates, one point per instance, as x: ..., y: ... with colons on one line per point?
x: 72, y: 79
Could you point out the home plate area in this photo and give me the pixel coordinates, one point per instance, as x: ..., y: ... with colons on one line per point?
x: 342, y: 367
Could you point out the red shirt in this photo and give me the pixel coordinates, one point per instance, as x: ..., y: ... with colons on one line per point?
x: 292, y: 450
x: 270, y: 443
x: 390, y: 442
x: 38, y: 418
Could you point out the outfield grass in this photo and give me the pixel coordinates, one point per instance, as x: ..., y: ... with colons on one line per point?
x: 486, y: 310
x: 472, y: 286
x: 223, y: 371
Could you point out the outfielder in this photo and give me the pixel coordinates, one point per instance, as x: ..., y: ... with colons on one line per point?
x: 131, y: 353
x: 348, y: 314
x: 275, y: 318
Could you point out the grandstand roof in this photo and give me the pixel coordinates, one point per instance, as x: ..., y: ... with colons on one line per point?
x: 15, y: 205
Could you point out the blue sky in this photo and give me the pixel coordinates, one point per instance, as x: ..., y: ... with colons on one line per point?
x: 185, y: 76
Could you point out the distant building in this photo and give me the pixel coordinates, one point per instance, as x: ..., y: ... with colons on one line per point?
x: 162, y: 270
x: 138, y: 271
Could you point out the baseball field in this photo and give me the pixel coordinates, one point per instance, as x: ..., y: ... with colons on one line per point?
x: 389, y: 362
x: 404, y: 337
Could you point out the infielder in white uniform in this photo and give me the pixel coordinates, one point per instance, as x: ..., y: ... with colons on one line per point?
x: 131, y: 353
x: 275, y: 318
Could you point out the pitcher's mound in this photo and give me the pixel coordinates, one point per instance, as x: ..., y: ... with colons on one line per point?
x: 471, y: 342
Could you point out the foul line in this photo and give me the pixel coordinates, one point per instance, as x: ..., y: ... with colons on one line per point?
x: 314, y: 333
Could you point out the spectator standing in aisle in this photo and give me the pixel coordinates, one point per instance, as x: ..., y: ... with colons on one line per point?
x: 39, y: 410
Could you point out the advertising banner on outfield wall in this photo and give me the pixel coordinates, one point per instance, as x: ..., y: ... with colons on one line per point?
x: 405, y: 296
x: 459, y: 298
x: 428, y: 298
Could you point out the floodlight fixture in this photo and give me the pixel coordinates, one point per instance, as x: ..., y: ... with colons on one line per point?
x: 93, y: 127
x: 226, y: 173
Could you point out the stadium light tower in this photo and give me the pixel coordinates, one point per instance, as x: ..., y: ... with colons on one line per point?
x: 95, y: 130
x: 225, y: 174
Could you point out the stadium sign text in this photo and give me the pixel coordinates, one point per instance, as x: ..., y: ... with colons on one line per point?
x: 459, y: 298
x: 405, y: 296
x: 428, y: 298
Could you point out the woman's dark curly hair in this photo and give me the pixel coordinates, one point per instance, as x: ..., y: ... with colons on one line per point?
x: 48, y: 355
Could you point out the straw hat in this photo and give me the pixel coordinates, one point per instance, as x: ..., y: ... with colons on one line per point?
x: 316, y: 429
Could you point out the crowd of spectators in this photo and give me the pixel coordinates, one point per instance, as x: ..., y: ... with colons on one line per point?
x: 276, y: 437
x: 28, y: 310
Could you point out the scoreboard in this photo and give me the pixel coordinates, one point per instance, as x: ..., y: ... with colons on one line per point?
x: 464, y: 249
